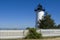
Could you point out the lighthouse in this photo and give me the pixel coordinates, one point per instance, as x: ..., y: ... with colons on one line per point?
x: 39, y: 14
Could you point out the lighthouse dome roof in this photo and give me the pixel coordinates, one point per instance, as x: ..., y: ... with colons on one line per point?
x: 39, y: 8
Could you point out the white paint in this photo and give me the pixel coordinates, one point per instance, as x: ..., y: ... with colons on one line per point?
x: 11, y: 37
x: 50, y: 32
x: 14, y: 34
x: 40, y: 15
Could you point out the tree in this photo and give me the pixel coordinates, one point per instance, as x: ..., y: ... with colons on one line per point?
x: 47, y: 22
x: 58, y: 26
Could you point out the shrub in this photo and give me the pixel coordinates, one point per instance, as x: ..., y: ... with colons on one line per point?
x: 33, y: 34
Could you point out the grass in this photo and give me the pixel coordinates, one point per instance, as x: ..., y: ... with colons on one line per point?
x: 44, y: 38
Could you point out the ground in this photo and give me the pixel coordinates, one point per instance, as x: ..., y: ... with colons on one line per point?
x: 55, y: 38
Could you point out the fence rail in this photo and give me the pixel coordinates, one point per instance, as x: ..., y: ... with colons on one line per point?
x: 22, y: 33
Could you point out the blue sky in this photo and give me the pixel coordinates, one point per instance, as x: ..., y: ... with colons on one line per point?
x: 20, y: 13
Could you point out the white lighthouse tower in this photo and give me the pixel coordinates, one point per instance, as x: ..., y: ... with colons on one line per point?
x: 39, y: 14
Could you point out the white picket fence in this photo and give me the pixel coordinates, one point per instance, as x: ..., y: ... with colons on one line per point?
x: 50, y: 32
x: 12, y: 34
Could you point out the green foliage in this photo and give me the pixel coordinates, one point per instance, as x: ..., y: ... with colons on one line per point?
x: 33, y: 34
x: 58, y: 26
x: 47, y: 22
